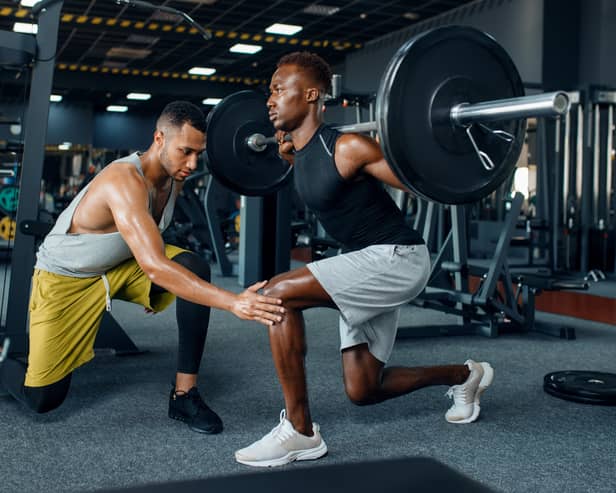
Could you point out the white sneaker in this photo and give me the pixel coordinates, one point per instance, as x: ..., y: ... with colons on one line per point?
x: 283, y: 445
x: 466, y: 396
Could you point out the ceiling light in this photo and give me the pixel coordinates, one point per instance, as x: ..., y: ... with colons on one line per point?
x: 55, y: 98
x: 211, y: 101
x: 286, y: 29
x: 65, y: 146
x: 28, y: 3
x: 321, y: 9
x: 25, y: 27
x: 117, y: 108
x: 141, y: 39
x: 247, y: 49
x: 202, y: 71
x: 412, y: 16
x: 139, y: 96
x: 128, y: 53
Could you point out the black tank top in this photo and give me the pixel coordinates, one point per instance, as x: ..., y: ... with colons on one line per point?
x: 355, y: 213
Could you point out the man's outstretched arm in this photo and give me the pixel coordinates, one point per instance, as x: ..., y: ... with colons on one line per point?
x: 127, y: 199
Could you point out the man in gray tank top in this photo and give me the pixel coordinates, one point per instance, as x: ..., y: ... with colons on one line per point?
x: 107, y: 244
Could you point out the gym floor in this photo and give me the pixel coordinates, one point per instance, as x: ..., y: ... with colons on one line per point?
x: 112, y: 432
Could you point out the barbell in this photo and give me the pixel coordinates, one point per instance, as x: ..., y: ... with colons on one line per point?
x: 436, y: 107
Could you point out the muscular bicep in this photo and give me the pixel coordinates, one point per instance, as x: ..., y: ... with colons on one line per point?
x: 357, y: 154
x: 127, y: 200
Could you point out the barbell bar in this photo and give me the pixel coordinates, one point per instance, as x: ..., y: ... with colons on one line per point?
x: 450, y: 115
x: 552, y: 104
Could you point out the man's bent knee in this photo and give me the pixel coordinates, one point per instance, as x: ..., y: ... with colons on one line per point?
x: 277, y: 289
x: 360, y: 394
x: 44, y: 399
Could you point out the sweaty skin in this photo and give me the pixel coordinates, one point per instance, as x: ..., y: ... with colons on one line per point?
x: 117, y: 200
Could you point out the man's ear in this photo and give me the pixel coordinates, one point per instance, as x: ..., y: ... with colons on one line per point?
x: 312, y: 94
x: 159, y: 137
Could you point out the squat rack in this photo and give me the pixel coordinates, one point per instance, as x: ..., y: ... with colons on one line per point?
x: 40, y: 51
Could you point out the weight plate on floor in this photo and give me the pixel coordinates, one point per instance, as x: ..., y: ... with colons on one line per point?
x: 428, y: 75
x: 588, y: 387
x: 231, y: 161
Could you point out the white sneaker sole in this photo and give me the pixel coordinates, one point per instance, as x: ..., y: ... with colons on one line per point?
x: 295, y: 455
x: 485, y: 382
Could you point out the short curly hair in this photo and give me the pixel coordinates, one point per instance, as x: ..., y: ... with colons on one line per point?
x: 311, y: 63
x: 177, y: 113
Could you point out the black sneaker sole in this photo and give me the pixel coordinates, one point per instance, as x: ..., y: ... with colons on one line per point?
x: 212, y: 430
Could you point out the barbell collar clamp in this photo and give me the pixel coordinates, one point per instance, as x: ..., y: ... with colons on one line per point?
x: 259, y: 142
x: 551, y: 104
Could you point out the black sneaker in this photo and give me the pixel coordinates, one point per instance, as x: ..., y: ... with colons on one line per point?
x: 190, y: 408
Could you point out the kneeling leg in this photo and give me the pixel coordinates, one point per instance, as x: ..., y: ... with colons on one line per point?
x: 38, y: 399
x: 367, y: 381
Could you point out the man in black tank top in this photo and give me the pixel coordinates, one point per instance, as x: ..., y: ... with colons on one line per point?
x: 340, y: 177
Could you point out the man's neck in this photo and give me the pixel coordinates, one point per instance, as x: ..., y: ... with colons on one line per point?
x: 153, y: 170
x: 302, y: 134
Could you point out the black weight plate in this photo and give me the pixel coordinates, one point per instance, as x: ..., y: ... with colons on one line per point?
x: 426, y: 77
x: 231, y: 161
x: 588, y: 387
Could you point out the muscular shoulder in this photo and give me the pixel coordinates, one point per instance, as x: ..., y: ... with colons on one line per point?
x: 353, y: 152
x: 120, y: 175
x: 119, y: 183
x: 122, y: 169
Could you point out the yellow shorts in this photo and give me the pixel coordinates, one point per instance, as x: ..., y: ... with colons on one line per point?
x: 66, y: 312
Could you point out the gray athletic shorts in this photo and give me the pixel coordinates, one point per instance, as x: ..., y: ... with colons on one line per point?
x: 369, y: 286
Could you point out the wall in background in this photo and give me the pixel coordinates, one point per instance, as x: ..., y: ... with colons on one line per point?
x: 123, y: 131
x: 67, y: 123
x: 516, y: 24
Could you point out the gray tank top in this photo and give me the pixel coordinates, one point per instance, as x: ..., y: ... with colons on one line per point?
x: 90, y: 254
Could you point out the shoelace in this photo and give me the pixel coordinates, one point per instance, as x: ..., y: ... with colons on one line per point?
x: 279, y: 433
x: 200, y: 403
x: 194, y: 397
x: 459, y: 394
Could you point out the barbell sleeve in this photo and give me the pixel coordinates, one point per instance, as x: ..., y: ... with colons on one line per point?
x: 548, y: 104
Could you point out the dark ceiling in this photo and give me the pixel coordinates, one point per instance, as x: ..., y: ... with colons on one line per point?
x: 106, y: 49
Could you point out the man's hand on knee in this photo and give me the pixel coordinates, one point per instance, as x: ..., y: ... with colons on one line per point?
x: 250, y: 305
